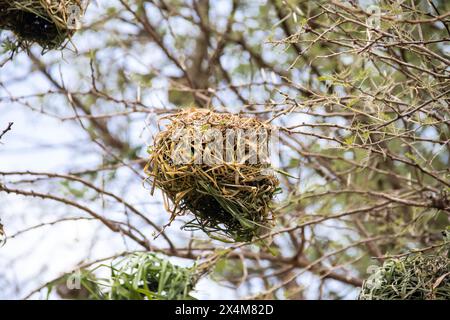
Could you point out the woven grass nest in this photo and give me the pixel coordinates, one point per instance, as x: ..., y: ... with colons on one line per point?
x: 229, y: 199
x: 38, y: 21
x: 137, y: 276
x: 413, y: 277
x: 149, y: 276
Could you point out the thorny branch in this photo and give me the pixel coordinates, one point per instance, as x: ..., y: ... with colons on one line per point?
x: 8, y: 128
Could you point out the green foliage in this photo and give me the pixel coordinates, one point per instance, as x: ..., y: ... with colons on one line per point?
x: 145, y: 276
x: 139, y: 276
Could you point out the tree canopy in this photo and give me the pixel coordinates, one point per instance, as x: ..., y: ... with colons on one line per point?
x: 358, y: 91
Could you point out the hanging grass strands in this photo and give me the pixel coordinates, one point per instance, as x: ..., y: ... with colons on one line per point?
x: 413, y: 277
x: 138, y: 276
x: 46, y: 22
x: 146, y: 276
x: 210, y: 164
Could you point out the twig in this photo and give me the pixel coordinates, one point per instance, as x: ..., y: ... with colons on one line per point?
x: 8, y: 128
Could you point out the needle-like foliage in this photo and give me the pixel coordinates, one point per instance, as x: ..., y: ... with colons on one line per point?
x: 146, y: 276
x: 138, y: 276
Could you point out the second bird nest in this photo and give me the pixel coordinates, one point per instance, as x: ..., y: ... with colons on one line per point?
x: 46, y: 22
x: 215, y: 165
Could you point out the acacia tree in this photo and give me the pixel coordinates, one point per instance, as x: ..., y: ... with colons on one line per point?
x: 358, y: 90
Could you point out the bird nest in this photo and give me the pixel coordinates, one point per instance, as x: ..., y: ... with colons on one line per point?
x: 46, y: 22
x: 148, y: 276
x: 413, y: 277
x: 215, y: 165
x: 137, y: 276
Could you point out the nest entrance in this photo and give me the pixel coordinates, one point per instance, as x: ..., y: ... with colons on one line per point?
x: 230, y: 200
x: 30, y: 27
x: 36, y: 21
x: 206, y: 206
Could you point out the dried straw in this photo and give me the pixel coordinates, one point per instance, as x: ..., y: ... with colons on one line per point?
x: 231, y: 200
